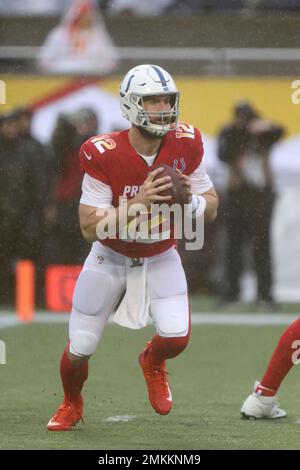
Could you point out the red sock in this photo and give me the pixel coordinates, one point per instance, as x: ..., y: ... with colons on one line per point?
x: 73, y: 376
x: 164, y: 348
x: 282, y: 360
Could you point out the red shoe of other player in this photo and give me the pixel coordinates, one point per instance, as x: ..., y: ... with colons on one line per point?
x: 159, y: 392
x: 67, y: 416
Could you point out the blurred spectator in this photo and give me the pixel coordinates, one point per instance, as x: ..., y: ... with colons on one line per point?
x: 245, y: 145
x: 24, y: 119
x: 65, y: 243
x: 35, y: 228
x: 35, y: 148
x: 86, y: 123
x: 36, y: 157
x: 80, y: 43
x: 21, y: 198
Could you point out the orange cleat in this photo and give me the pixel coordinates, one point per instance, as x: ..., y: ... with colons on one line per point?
x: 67, y: 415
x: 159, y: 392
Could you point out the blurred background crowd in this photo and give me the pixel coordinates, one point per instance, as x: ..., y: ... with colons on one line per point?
x: 88, y: 45
x: 40, y: 190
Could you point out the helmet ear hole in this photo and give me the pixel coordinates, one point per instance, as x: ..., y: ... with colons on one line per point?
x: 173, y: 100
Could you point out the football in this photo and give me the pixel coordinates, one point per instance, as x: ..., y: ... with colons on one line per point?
x: 178, y: 191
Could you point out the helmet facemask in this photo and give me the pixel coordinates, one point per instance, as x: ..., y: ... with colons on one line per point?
x: 157, y: 122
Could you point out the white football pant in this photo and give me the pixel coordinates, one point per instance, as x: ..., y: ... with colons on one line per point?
x: 101, y: 285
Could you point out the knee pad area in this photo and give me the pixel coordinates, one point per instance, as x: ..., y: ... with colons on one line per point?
x: 83, y: 344
x: 171, y: 316
x: 94, y: 292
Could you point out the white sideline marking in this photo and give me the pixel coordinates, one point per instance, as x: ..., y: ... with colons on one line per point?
x: 115, y: 419
x: 9, y: 319
x: 248, y: 319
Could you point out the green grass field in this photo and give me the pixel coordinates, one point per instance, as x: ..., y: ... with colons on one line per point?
x: 209, y: 382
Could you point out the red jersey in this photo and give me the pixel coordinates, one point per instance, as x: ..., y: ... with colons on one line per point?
x: 111, y: 159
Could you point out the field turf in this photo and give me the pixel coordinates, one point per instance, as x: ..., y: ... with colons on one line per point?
x: 209, y: 382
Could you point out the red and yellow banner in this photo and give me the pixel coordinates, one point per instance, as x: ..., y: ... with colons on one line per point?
x: 205, y: 102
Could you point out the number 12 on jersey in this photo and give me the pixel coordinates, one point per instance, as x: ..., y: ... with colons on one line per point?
x: 104, y: 142
x: 184, y: 130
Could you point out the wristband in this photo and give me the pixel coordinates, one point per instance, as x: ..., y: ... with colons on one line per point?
x: 197, y: 206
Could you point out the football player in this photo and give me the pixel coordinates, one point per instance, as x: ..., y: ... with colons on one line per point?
x: 124, y: 166
x: 262, y: 403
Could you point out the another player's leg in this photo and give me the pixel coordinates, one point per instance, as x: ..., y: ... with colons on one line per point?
x: 98, y: 289
x: 170, y: 313
x: 263, y: 403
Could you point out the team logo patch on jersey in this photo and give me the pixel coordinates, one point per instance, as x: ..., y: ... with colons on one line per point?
x: 182, y: 165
